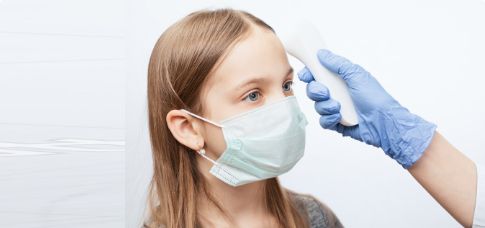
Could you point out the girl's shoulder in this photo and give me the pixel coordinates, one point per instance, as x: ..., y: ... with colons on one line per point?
x: 319, y: 214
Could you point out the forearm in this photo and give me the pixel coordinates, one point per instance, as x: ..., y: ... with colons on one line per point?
x: 450, y: 177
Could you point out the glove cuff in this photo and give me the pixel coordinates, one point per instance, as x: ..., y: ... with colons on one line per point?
x: 408, y: 136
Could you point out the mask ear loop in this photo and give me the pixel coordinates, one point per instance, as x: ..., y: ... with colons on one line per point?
x: 202, y: 118
x: 202, y: 153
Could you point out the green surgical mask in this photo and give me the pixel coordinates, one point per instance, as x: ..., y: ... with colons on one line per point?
x: 262, y: 143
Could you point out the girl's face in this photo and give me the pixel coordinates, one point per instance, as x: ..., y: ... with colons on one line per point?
x: 255, y: 72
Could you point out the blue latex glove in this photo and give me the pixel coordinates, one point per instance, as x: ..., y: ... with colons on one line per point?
x: 383, y: 122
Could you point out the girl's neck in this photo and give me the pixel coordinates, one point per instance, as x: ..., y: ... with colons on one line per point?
x: 239, y: 203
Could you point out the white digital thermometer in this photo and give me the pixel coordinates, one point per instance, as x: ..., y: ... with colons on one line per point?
x: 303, y: 42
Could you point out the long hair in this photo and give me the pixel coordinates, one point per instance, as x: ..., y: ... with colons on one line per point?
x: 183, y: 57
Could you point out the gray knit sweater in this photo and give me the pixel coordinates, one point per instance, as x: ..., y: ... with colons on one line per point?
x: 319, y: 215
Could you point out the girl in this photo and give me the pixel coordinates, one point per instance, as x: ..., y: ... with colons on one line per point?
x: 223, y: 125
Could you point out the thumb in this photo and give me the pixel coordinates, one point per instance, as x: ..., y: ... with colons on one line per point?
x: 339, y: 65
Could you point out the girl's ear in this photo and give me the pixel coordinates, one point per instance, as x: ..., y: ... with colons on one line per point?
x: 186, y: 129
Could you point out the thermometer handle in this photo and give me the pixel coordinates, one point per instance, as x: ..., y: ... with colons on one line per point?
x: 303, y: 43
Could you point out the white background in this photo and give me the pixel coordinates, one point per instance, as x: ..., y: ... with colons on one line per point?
x: 64, y: 91
x: 62, y: 113
x: 428, y: 54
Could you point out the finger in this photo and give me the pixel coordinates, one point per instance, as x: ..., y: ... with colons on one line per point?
x: 338, y: 64
x: 317, y: 91
x: 327, y: 107
x: 305, y: 75
x: 329, y: 121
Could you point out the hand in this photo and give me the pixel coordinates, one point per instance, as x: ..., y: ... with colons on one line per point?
x: 383, y: 122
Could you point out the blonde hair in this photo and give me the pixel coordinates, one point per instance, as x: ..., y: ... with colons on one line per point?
x: 183, y: 57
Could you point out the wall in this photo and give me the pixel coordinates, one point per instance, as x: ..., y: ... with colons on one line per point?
x: 62, y: 113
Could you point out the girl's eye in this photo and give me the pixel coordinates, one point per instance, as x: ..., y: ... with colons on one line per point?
x: 253, y: 96
x: 287, y: 86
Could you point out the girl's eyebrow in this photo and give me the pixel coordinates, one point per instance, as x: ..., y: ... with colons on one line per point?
x: 290, y: 71
x: 258, y: 79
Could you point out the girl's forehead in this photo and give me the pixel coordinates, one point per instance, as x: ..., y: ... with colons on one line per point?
x: 259, y: 55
